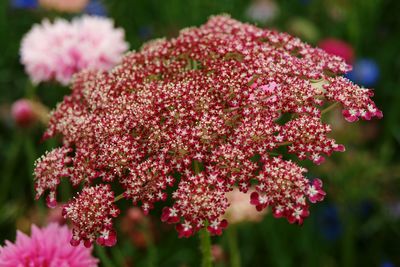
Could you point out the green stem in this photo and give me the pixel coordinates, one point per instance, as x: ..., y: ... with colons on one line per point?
x: 205, y: 243
x: 329, y: 108
x: 31, y: 156
x: 348, y: 251
x: 105, y: 260
x: 117, y: 256
x: 4, y: 28
x: 30, y: 91
x: 285, y: 143
x: 119, y: 197
x: 196, y: 167
x: 234, y: 252
x: 151, y: 249
x: 66, y: 190
x: 9, y: 166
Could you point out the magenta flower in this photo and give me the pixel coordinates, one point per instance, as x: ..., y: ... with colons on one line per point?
x: 206, y: 112
x: 315, y: 191
x: 58, y: 50
x: 48, y: 246
x: 338, y: 48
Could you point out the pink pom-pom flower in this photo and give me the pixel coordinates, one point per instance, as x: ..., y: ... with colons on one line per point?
x: 58, y: 50
x: 48, y: 246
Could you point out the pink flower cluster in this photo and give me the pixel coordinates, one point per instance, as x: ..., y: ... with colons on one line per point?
x: 92, y: 212
x: 48, y: 246
x: 49, y: 170
x: 203, y: 113
x: 56, y: 51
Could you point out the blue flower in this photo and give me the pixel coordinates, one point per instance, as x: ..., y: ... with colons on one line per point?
x: 96, y: 7
x: 329, y: 222
x: 24, y: 3
x: 387, y: 264
x: 365, y: 72
x: 145, y: 32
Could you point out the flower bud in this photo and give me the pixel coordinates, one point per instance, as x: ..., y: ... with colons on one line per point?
x: 22, y: 113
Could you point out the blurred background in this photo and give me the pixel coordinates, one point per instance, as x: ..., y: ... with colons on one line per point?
x: 358, y: 224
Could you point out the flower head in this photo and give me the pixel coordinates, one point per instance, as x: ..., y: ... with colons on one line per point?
x: 205, y: 112
x: 48, y: 246
x: 60, y: 49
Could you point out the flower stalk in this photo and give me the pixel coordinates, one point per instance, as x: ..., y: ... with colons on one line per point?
x: 205, y: 238
x: 205, y: 247
x: 119, y: 197
x: 234, y: 252
x: 329, y: 108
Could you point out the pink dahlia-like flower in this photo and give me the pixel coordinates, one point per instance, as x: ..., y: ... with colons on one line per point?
x: 216, y: 108
x: 48, y: 246
x: 338, y: 48
x: 70, y: 6
x: 60, y: 49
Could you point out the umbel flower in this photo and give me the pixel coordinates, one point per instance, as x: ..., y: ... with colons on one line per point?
x: 204, y: 113
x: 48, y: 246
x: 56, y: 51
